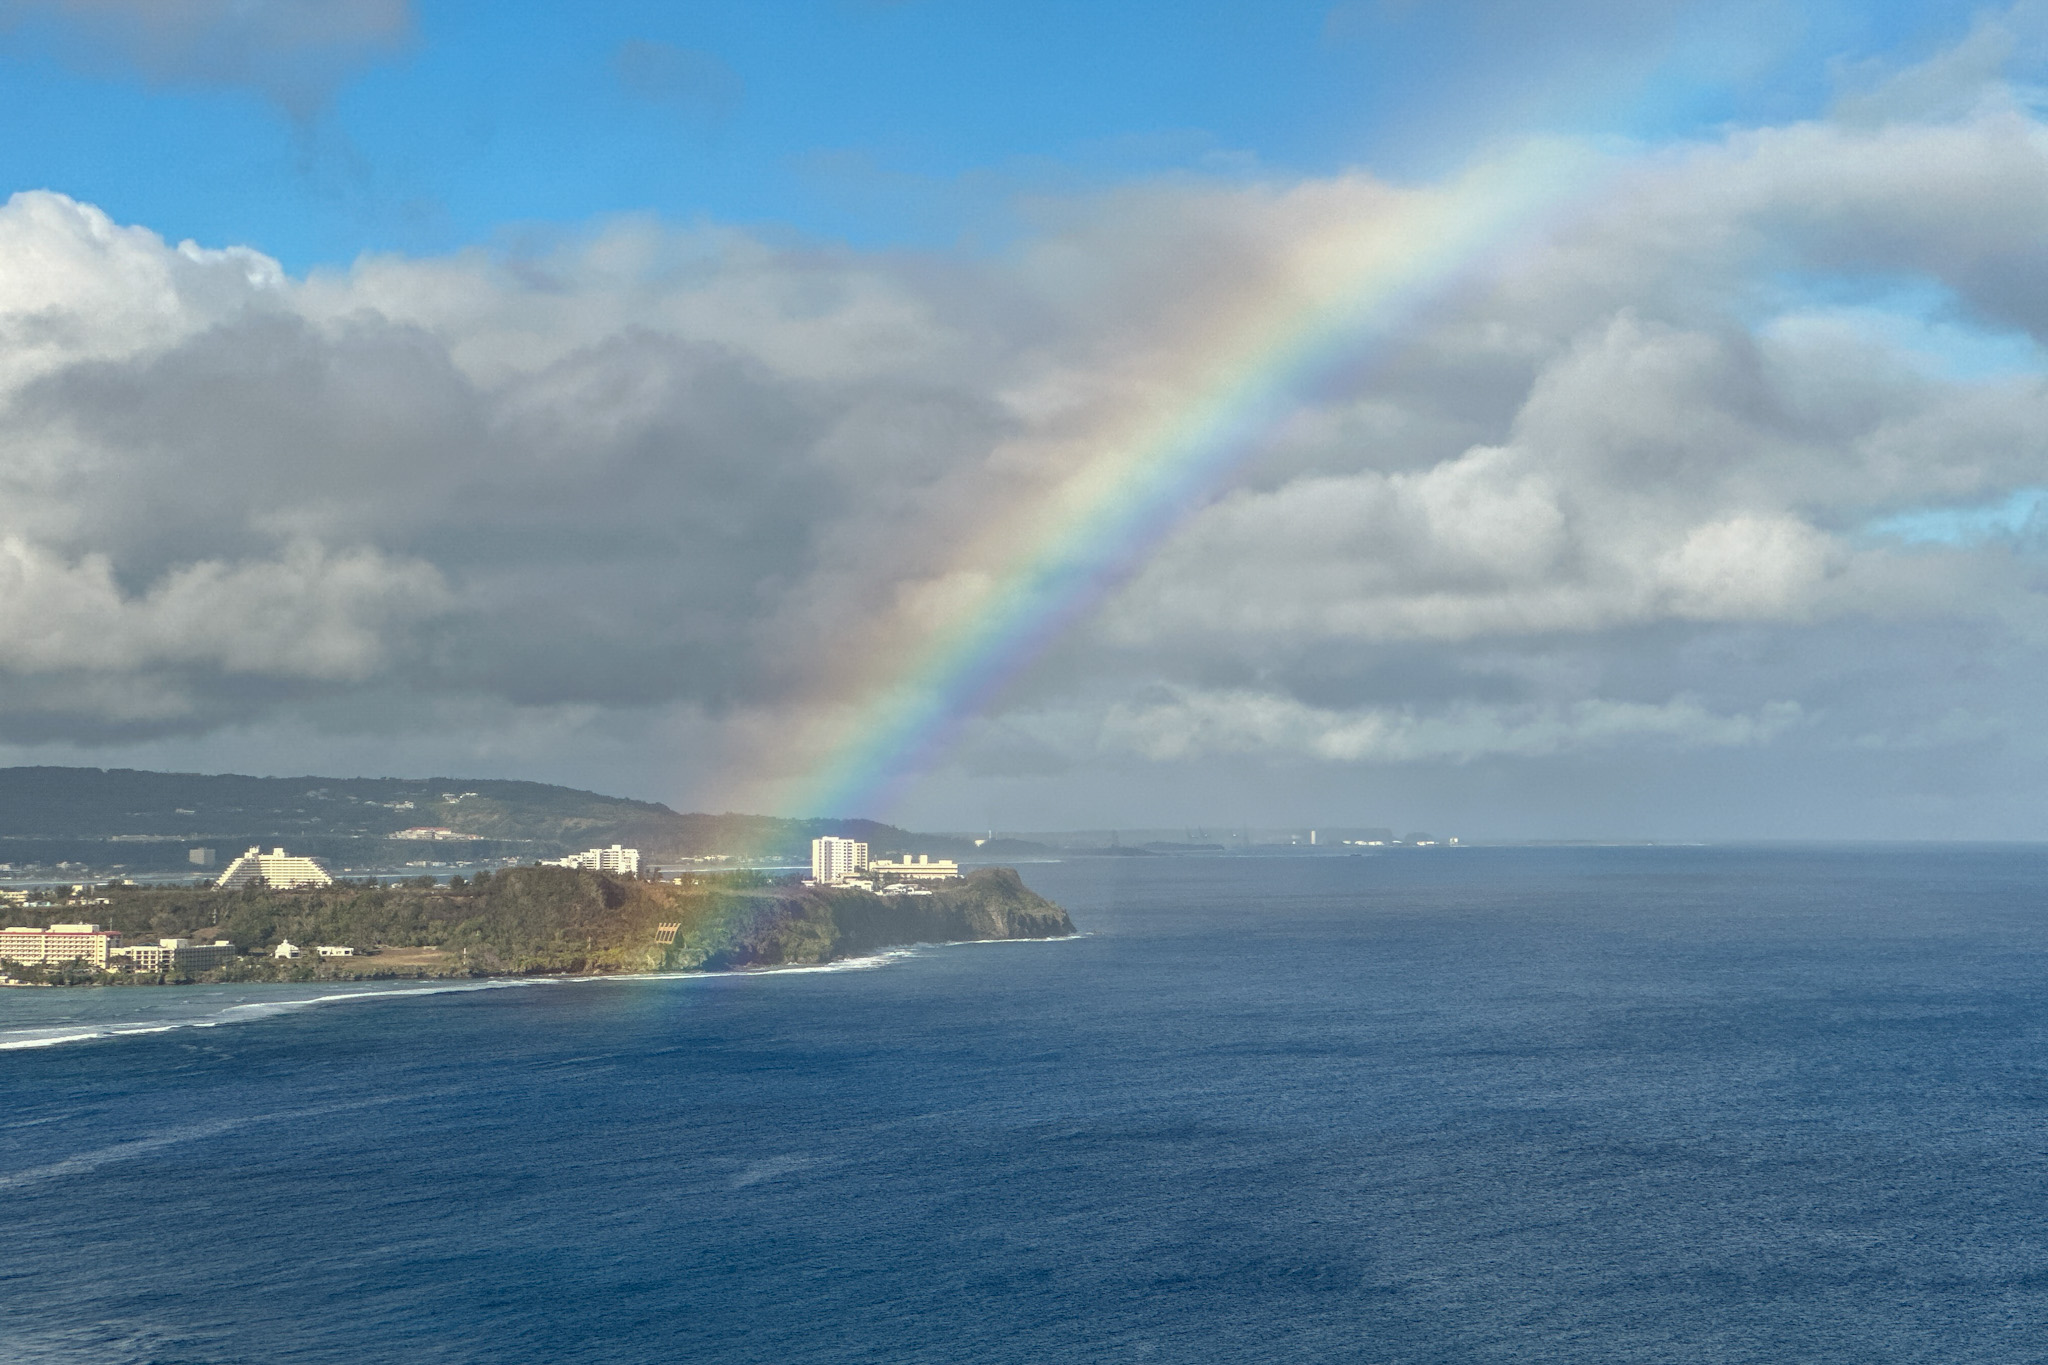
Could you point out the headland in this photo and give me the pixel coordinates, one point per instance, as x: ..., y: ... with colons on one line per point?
x: 531, y: 921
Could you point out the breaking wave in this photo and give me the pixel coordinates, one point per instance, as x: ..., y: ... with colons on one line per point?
x: 21, y: 1037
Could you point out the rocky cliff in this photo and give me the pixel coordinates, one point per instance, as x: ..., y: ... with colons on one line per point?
x: 786, y: 925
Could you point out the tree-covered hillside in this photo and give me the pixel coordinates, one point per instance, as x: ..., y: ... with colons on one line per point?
x: 147, y: 820
x: 547, y: 919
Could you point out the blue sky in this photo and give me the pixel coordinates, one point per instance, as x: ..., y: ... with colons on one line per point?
x: 917, y: 122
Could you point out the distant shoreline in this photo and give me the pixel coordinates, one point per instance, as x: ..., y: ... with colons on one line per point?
x: 653, y: 974
x: 543, y: 922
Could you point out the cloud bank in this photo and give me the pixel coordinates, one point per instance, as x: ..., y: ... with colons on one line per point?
x: 1623, y: 509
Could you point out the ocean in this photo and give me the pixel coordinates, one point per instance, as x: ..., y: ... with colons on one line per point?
x: 1480, y: 1105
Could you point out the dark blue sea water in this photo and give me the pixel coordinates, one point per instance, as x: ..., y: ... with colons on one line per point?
x: 1486, y: 1105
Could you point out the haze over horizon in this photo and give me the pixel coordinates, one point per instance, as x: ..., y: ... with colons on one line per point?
x: 605, y: 395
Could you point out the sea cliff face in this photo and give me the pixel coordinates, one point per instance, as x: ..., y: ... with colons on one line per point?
x: 786, y: 926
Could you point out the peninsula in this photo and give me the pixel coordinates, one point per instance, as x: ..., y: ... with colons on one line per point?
x: 537, y: 921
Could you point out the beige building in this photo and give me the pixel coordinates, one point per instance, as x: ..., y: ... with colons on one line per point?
x: 276, y: 868
x: 287, y: 949
x: 176, y: 954
x: 920, y: 869
x: 59, y: 943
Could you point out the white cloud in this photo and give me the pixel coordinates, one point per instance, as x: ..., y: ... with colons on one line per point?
x: 1965, y: 79
x: 1188, y: 724
x: 77, y: 287
x: 1745, y: 567
x: 306, y: 614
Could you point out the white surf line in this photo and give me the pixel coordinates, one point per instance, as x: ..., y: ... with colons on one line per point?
x: 393, y: 992
x: 105, y: 1031
x: 865, y: 962
x: 1053, y: 938
x: 249, y: 1011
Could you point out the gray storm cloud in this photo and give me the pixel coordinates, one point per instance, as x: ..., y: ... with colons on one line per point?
x: 1605, y: 518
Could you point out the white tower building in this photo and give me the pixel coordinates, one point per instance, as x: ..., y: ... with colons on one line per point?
x: 836, y: 860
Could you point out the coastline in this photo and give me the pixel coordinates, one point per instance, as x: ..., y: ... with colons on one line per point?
x: 226, y: 1006
x: 548, y: 923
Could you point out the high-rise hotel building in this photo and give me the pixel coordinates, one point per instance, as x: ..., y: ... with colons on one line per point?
x: 278, y: 869
x: 60, y: 943
x: 837, y: 860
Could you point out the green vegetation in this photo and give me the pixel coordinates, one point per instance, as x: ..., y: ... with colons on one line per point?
x: 766, y: 926
x: 535, y: 920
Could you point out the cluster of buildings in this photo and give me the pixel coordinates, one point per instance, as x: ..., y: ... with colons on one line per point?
x: 77, y: 898
x: 624, y: 862
x: 289, y: 950
x: 93, y: 946
x: 845, y: 862
x: 90, y: 945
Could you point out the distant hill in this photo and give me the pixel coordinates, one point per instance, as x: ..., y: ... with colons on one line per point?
x: 101, y: 817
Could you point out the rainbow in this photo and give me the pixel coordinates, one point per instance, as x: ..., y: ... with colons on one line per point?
x: 1354, y: 286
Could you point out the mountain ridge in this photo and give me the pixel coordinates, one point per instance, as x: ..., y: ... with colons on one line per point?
x: 142, y: 813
